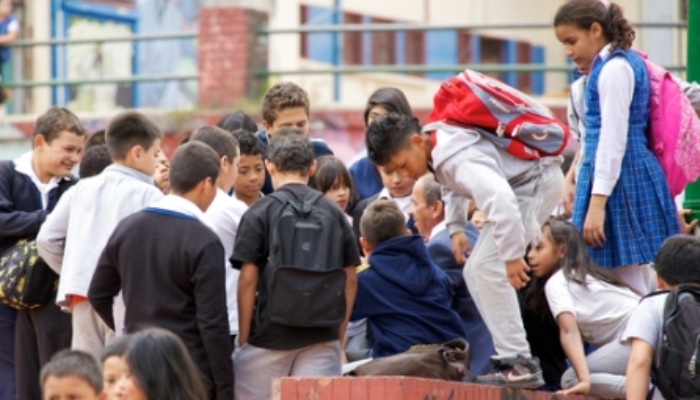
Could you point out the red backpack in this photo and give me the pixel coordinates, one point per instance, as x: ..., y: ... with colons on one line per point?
x: 505, y: 116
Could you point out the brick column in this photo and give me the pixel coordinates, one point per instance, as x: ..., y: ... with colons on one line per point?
x: 229, y: 54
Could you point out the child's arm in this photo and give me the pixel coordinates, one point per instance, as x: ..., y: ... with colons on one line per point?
x: 9, y: 37
x: 51, y: 241
x: 14, y: 222
x: 105, y: 284
x: 570, y: 338
x: 350, y: 292
x: 247, y: 287
x: 638, y: 369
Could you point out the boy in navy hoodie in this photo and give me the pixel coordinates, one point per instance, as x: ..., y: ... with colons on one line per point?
x: 403, y: 294
x: 30, y: 187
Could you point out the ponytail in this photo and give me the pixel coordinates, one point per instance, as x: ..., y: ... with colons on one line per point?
x: 584, y: 13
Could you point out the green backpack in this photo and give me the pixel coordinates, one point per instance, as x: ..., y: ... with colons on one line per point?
x: 26, y: 281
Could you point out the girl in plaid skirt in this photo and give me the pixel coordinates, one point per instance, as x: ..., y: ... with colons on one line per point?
x: 622, y: 202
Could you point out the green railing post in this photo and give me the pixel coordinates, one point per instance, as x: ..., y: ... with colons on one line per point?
x: 692, y: 191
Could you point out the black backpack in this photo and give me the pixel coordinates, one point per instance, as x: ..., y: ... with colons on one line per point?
x: 304, y: 276
x: 676, y: 373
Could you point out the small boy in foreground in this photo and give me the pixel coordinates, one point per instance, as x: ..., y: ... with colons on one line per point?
x: 72, y: 375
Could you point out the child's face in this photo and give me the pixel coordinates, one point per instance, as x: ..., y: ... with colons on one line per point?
x: 146, y: 160
x: 62, y: 154
x: 340, y: 193
x: 112, y: 370
x: 229, y: 173
x: 397, y: 182
x: 162, y: 174
x: 545, y: 256
x: 581, y: 45
x: 5, y: 7
x: 375, y: 112
x: 69, y: 387
x: 290, y: 116
x: 251, y: 176
x: 410, y: 160
x: 130, y: 386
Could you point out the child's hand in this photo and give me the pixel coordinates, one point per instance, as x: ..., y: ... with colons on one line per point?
x: 685, y: 227
x: 460, y: 246
x: 568, y: 199
x: 517, y: 273
x: 579, y: 388
x: 593, y: 232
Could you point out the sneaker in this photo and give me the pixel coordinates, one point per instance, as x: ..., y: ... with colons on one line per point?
x: 514, y: 372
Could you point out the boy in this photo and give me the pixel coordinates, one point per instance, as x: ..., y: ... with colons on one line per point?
x: 287, y: 105
x: 169, y: 266
x: 269, y: 349
x: 95, y: 160
x: 73, y: 238
x: 225, y: 212
x: 516, y: 195
x: 251, y: 168
x: 404, y: 295
x: 676, y: 264
x: 72, y: 375
x: 30, y: 186
x: 9, y: 31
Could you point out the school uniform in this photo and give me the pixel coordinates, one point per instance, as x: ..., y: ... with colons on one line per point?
x: 404, y: 204
x: 406, y: 298
x: 169, y: 266
x: 224, y: 214
x: 439, y: 247
x: 366, y: 178
x: 517, y: 196
x: 28, y: 339
x: 617, y: 163
x: 73, y: 238
x: 320, y: 149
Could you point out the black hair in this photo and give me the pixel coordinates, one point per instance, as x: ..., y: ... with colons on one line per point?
x: 391, y: 99
x: 94, y: 161
x: 328, y: 170
x: 191, y: 164
x: 382, y: 220
x: 678, y: 260
x: 218, y: 139
x: 116, y: 347
x: 96, y: 139
x: 130, y: 129
x: 248, y: 143
x: 387, y: 134
x: 56, y: 120
x: 290, y: 150
x: 74, y: 363
x: 584, y: 13
x: 575, y: 264
x: 163, y: 367
x: 237, y: 120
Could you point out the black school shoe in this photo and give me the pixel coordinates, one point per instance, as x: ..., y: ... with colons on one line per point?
x: 514, y: 372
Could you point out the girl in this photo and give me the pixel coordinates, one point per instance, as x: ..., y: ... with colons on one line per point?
x: 587, y: 302
x: 333, y: 179
x: 160, y: 368
x: 364, y: 173
x: 622, y: 202
x: 113, y: 366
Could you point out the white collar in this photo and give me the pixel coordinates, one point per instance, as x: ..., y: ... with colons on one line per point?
x: 23, y: 165
x: 181, y: 205
x: 605, y: 52
x: 441, y: 226
x: 404, y: 203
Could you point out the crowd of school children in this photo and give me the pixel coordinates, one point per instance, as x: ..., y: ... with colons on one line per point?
x: 177, y: 273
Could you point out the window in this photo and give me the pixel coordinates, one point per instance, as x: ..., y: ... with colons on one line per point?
x: 383, y: 45
x: 352, y: 41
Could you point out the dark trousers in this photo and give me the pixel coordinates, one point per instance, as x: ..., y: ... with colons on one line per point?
x: 7, y: 352
x: 40, y: 334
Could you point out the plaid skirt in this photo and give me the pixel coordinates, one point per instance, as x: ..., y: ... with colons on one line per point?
x: 639, y: 214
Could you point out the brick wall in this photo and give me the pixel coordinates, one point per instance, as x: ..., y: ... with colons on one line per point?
x: 397, y: 388
x: 229, y: 53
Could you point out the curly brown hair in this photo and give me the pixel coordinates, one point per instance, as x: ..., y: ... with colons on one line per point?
x: 283, y: 95
x: 584, y: 13
x: 56, y: 120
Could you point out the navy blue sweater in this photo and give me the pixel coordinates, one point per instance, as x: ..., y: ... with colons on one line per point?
x: 21, y: 212
x: 406, y: 298
x: 366, y: 178
x: 320, y: 149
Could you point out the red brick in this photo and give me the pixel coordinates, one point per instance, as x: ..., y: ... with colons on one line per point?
x: 284, y: 389
x: 341, y: 388
x: 376, y: 388
x: 307, y: 389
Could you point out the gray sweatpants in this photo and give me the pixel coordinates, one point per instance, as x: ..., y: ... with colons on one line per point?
x: 255, y: 367
x: 90, y: 333
x: 608, y: 367
x: 485, y: 273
